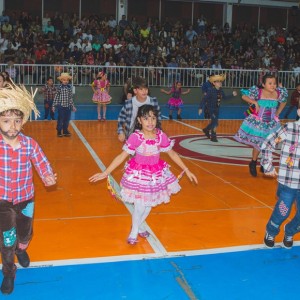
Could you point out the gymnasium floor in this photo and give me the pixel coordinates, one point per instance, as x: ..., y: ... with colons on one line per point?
x: 206, y: 244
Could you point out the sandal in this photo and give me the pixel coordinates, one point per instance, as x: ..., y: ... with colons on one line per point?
x: 144, y: 234
x: 132, y: 241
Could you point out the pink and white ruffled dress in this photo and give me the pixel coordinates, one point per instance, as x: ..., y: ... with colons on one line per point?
x: 148, y: 178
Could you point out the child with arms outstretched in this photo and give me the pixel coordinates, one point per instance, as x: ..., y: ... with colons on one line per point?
x: 147, y: 180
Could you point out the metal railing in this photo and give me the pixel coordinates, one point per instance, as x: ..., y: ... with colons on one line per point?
x: 83, y: 75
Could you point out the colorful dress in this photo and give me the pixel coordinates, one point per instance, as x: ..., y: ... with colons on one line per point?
x: 101, y: 95
x: 175, y: 102
x: 147, y: 178
x: 256, y: 127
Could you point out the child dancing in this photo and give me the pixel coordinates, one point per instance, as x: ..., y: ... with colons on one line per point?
x: 175, y: 102
x: 288, y: 136
x: 147, y: 180
x: 101, y: 87
x: 269, y: 101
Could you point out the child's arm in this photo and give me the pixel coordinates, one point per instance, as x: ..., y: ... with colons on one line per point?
x: 186, y: 92
x: 114, y: 164
x: 175, y: 157
x: 166, y: 92
x: 251, y: 101
x: 280, y: 108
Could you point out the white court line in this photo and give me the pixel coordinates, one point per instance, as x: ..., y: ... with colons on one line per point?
x: 138, y: 257
x: 152, y: 239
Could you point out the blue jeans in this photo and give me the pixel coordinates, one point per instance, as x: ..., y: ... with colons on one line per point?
x: 63, y: 119
x: 214, y: 122
x: 282, y: 209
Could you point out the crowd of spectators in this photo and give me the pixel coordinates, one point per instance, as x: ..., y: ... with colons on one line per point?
x: 102, y: 41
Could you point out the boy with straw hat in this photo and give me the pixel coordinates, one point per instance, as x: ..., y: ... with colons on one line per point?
x: 63, y: 102
x: 18, y: 152
x: 212, y: 99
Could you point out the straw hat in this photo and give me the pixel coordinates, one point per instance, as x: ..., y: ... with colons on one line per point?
x: 17, y: 97
x: 64, y: 76
x: 216, y: 77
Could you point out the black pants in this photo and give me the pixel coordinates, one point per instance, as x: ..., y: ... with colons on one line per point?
x: 16, y: 232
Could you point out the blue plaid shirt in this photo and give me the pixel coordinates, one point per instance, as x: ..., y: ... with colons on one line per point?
x: 125, y: 115
x: 289, y: 167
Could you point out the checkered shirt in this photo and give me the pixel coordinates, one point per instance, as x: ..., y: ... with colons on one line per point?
x: 289, y: 136
x: 16, y: 177
x: 125, y: 115
x: 64, y: 96
x: 49, y: 92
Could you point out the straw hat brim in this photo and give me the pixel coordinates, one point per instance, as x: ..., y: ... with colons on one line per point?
x: 64, y: 76
x: 219, y: 77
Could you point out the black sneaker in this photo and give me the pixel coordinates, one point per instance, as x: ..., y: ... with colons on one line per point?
x: 59, y: 134
x: 214, y: 139
x: 252, y: 168
x: 288, y: 241
x: 7, y: 285
x: 179, y: 117
x: 23, y: 259
x: 206, y: 132
x: 269, y: 240
x: 170, y: 117
x: 67, y: 134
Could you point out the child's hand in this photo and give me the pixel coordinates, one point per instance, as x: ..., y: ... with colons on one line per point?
x: 98, y: 176
x: 191, y: 176
x: 50, y: 180
x: 273, y: 173
x: 234, y: 93
x: 74, y: 109
x: 121, y: 137
x: 199, y: 111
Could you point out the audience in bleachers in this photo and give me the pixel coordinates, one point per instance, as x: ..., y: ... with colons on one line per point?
x: 103, y: 41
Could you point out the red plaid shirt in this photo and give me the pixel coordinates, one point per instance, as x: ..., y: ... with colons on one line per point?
x: 16, y: 179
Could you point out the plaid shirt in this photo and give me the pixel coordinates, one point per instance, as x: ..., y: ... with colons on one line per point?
x: 289, y: 167
x: 64, y: 96
x: 49, y: 92
x: 210, y: 99
x: 125, y: 115
x: 16, y: 178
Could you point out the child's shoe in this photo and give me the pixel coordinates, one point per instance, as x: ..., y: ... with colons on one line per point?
x: 23, y: 258
x: 206, y: 132
x: 288, y: 240
x: 170, y: 117
x: 7, y: 285
x: 132, y: 241
x: 252, y: 168
x: 59, y: 134
x: 269, y: 240
x: 179, y: 117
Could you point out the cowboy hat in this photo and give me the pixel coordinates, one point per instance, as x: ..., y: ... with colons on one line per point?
x: 216, y: 77
x: 64, y: 76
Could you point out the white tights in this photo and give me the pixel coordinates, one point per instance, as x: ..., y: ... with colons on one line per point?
x: 139, y: 215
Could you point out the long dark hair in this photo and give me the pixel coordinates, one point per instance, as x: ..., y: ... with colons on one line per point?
x: 144, y: 111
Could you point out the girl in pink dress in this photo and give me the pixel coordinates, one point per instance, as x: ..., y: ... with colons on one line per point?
x: 147, y: 180
x: 101, y: 96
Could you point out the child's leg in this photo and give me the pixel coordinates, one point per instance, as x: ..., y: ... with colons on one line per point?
x: 281, y: 211
x: 104, y: 111
x: 144, y: 216
x: 171, y: 114
x: 137, y: 218
x: 99, y: 110
x: 179, y: 114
